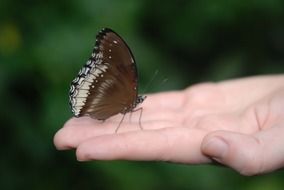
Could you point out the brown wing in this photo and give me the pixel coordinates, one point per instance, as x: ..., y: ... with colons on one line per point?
x: 107, y: 84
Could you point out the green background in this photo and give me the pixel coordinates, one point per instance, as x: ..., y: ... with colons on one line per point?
x: 44, y: 43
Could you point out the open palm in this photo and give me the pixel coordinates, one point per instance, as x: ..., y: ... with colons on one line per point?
x: 239, y: 123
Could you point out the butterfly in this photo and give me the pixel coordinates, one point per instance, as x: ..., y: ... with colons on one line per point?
x: 108, y: 83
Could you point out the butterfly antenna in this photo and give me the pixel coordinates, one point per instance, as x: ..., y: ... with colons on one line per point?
x: 150, y: 81
x: 164, y: 81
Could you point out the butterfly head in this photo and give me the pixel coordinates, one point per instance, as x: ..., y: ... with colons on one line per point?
x: 140, y: 99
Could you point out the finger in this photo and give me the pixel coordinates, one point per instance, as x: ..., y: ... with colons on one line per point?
x: 247, y: 154
x: 77, y: 130
x: 73, y: 130
x: 171, y: 144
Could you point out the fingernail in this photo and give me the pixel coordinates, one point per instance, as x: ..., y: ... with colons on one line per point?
x: 81, y: 158
x: 216, y: 148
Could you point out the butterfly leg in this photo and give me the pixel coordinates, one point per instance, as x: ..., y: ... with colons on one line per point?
x: 141, y: 110
x: 130, y: 116
x: 119, y: 123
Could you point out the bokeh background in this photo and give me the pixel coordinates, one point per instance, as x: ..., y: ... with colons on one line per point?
x: 44, y: 43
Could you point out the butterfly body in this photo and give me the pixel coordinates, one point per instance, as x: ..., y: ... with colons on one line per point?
x: 108, y: 83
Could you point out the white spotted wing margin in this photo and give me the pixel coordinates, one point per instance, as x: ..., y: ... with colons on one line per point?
x: 107, y: 83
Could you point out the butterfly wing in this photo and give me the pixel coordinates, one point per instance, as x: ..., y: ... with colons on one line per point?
x: 107, y: 84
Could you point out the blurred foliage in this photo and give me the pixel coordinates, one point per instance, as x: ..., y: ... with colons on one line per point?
x: 43, y: 44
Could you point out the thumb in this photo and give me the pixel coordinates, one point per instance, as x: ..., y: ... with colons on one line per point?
x: 248, y: 154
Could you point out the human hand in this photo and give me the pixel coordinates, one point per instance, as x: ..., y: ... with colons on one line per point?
x: 238, y: 123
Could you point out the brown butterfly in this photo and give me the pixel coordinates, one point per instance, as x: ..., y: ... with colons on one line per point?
x: 108, y: 83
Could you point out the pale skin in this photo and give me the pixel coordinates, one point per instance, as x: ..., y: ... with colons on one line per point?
x: 237, y: 123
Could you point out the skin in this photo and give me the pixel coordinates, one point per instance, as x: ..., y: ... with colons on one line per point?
x: 237, y: 123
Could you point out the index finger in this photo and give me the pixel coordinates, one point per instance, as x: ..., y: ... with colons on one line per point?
x: 176, y: 144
